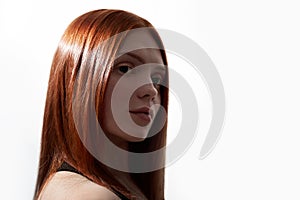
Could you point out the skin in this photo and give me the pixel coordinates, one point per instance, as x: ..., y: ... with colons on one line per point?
x: 68, y: 185
x: 135, y: 67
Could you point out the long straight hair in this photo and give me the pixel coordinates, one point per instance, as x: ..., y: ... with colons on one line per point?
x: 78, y: 49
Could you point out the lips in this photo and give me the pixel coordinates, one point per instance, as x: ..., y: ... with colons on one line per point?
x: 145, y: 114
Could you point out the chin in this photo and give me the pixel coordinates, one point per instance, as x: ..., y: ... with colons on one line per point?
x: 136, y: 139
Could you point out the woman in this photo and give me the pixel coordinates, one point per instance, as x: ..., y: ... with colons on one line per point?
x: 108, y: 88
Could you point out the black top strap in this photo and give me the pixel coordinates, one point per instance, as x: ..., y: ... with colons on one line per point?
x: 66, y: 167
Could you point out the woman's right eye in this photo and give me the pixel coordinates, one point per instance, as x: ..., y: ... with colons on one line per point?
x: 123, y: 69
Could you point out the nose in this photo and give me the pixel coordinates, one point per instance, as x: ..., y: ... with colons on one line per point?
x: 147, y: 91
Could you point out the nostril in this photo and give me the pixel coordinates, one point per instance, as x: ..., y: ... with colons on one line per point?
x: 148, y: 90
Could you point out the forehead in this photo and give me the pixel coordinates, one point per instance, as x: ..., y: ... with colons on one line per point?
x: 139, y: 40
x: 142, y: 56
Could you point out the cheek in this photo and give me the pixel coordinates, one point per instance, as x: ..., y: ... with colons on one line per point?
x: 158, y: 101
x: 115, y: 102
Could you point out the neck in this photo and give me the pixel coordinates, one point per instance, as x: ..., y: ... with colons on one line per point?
x: 124, y: 177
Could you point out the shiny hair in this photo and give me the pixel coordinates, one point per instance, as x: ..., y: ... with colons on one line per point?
x: 81, y: 48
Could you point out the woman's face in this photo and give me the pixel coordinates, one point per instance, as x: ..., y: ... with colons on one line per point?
x: 132, y: 95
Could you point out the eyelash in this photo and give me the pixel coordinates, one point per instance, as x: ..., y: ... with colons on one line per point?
x: 119, y: 68
x: 129, y: 66
x: 157, y: 83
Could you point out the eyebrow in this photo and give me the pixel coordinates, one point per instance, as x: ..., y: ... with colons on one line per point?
x: 161, y: 68
x: 136, y: 57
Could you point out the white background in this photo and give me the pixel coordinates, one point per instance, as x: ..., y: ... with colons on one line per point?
x: 255, y: 46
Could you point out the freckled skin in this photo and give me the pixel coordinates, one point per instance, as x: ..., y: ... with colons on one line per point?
x: 144, y: 96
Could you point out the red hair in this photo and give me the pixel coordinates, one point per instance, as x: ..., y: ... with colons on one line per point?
x: 80, y: 48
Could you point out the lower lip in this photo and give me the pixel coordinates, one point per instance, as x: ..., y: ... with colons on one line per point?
x: 143, y: 116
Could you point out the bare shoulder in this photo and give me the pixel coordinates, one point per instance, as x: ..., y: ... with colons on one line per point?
x: 68, y: 185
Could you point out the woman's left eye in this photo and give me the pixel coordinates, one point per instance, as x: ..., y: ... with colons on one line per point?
x: 156, y: 80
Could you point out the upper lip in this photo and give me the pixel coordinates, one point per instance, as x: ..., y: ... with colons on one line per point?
x: 145, y: 110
